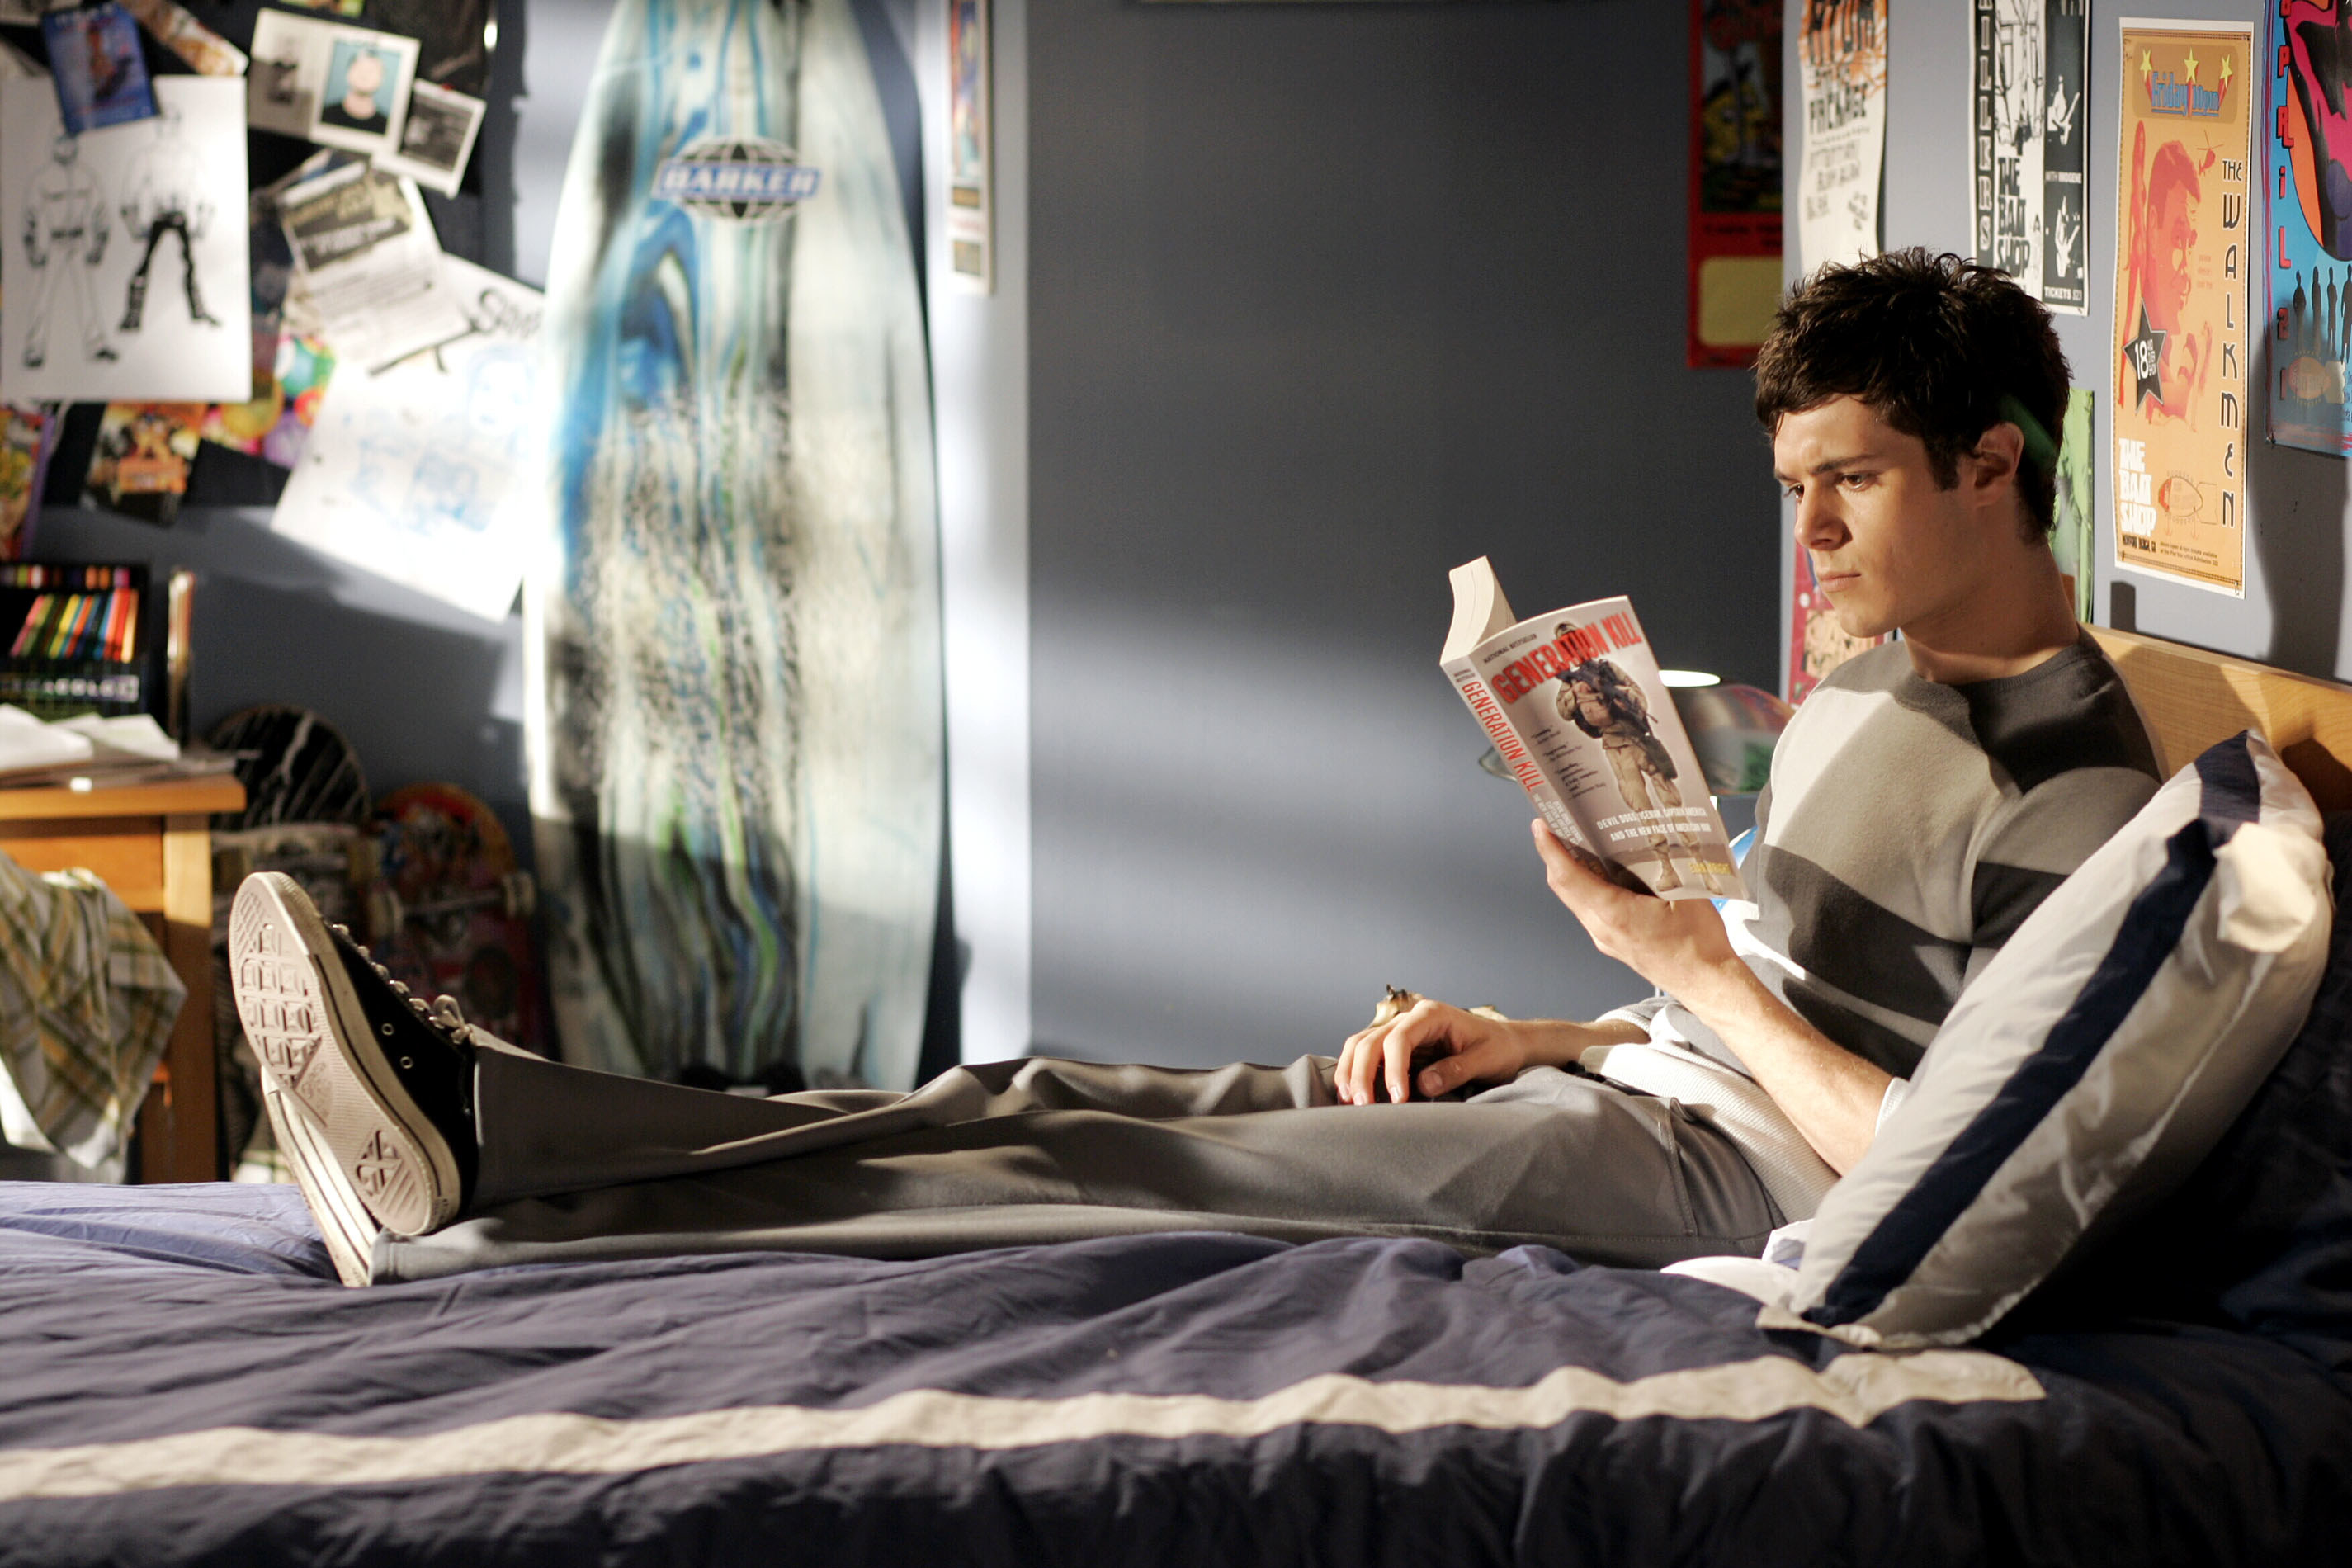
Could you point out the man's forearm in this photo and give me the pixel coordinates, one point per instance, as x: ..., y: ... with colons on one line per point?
x: 1556, y: 1043
x: 1829, y: 1093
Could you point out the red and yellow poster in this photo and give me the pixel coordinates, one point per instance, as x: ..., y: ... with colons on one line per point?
x: 1735, y: 178
x: 2186, y: 243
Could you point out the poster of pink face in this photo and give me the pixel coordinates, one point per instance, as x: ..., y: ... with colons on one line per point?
x: 2307, y: 147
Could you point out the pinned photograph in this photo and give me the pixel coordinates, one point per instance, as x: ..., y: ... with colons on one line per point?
x: 359, y: 88
x: 200, y: 48
x: 101, y: 76
x: 369, y: 264
x: 126, y: 278
x: 140, y: 465
x: 324, y: 82
x: 971, y: 232
x: 276, y: 421
x: 29, y: 434
x: 437, y: 137
x: 411, y: 472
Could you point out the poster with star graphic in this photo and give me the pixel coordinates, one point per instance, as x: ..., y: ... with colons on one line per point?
x: 2307, y: 137
x: 2186, y: 249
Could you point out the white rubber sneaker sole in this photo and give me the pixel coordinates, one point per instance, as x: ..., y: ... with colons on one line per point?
x: 307, y: 1029
x: 344, y: 1221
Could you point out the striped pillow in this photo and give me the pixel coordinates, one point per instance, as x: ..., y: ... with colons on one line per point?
x: 2093, y: 1063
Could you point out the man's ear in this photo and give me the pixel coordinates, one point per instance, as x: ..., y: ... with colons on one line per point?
x: 1998, y: 453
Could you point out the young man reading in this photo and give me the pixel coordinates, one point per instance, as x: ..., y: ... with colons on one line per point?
x: 1928, y: 797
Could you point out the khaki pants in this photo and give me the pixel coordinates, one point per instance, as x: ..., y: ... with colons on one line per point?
x: 1643, y: 790
x: 578, y: 1164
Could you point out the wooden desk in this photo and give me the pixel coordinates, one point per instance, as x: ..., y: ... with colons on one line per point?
x: 153, y: 845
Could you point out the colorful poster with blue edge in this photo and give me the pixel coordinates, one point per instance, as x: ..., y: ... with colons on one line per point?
x: 2308, y: 143
x: 100, y: 72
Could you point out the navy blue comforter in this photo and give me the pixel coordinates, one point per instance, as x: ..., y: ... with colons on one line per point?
x: 182, y: 1381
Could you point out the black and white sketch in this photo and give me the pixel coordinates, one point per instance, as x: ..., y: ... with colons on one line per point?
x: 90, y: 314
x: 65, y: 234
x: 167, y: 199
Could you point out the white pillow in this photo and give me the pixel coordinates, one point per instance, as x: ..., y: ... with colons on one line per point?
x: 2098, y: 1056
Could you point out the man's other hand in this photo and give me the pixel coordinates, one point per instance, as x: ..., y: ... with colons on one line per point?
x: 1679, y: 946
x: 1469, y: 1047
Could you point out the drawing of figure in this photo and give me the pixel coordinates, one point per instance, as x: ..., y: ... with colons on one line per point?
x: 65, y: 239
x: 2167, y: 196
x: 167, y: 197
x: 1607, y: 704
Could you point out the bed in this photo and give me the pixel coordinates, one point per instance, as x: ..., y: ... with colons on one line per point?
x: 182, y: 1380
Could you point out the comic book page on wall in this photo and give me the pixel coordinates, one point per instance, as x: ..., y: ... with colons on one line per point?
x: 2025, y: 149
x: 1843, y: 57
x: 1735, y: 179
x: 2307, y: 138
x: 1817, y: 644
x: 2184, y: 238
x: 972, y: 237
x: 2072, y: 535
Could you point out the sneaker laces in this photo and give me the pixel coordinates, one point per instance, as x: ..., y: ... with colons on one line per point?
x: 443, y: 1016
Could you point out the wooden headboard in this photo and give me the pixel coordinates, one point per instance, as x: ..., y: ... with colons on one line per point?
x: 2192, y: 698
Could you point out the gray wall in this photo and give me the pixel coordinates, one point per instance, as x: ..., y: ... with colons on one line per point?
x: 980, y: 387
x: 2295, y: 609
x: 1322, y: 302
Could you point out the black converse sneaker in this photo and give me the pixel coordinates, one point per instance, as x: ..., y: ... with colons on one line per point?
x: 384, y: 1081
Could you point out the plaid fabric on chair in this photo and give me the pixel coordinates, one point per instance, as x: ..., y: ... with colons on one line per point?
x: 87, y: 1003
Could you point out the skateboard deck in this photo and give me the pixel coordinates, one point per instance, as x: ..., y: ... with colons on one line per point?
x: 451, y: 912
x: 733, y: 707
x: 299, y: 768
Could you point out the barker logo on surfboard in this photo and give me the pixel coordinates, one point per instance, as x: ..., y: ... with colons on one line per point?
x: 746, y: 179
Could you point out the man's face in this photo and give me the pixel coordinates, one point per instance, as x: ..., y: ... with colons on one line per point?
x: 363, y: 75
x: 1889, y: 548
x: 2174, y: 240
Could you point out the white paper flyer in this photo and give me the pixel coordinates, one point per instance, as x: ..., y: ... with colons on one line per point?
x: 1844, y: 63
x: 408, y: 473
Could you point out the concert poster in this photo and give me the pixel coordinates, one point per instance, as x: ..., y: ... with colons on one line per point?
x: 971, y: 239
x: 2028, y: 131
x: 1735, y: 179
x: 1842, y: 61
x: 2185, y: 239
x: 1817, y: 644
x: 2306, y: 131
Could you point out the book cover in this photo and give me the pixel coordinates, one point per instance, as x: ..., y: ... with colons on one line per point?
x: 1574, y: 704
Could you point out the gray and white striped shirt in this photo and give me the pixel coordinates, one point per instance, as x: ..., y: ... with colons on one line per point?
x: 1908, y: 830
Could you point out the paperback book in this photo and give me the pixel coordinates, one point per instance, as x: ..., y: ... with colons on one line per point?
x: 1574, y: 705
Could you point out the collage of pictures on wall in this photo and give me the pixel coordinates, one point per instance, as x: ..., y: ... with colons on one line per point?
x: 188, y: 294
x: 2232, y: 284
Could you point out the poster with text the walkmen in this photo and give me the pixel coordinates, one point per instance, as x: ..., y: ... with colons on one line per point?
x: 2184, y: 251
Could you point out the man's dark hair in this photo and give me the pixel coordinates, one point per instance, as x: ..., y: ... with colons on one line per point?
x: 1940, y: 348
